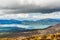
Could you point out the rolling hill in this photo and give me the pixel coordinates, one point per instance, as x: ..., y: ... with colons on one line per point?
x: 50, y: 30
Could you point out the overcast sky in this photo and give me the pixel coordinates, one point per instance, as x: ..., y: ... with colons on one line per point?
x: 18, y: 6
x: 29, y: 9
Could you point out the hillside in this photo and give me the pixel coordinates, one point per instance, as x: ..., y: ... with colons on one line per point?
x: 49, y: 30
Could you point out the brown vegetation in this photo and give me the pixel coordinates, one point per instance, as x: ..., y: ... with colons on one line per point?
x: 36, y: 37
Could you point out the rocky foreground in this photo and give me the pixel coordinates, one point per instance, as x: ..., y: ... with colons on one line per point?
x: 55, y: 36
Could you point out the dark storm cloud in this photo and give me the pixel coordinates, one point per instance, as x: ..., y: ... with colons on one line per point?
x: 33, y: 11
x: 20, y: 6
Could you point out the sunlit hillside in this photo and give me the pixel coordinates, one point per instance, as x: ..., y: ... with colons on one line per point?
x: 55, y: 36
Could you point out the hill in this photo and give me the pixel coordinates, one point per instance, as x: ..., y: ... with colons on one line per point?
x: 50, y: 30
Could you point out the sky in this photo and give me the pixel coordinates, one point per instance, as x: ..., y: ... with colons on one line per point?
x: 29, y: 9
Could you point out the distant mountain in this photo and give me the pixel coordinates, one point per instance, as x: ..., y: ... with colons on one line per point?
x: 9, y: 21
x: 49, y: 21
x: 29, y: 22
x: 42, y: 22
x: 10, y: 29
x: 13, y: 29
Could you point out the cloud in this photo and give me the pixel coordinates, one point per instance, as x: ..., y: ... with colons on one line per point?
x: 30, y: 16
x: 14, y: 16
x: 30, y: 6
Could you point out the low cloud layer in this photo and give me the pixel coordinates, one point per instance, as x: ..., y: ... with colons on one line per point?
x: 29, y: 6
x: 30, y: 16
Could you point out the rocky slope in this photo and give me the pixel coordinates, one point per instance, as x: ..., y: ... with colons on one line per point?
x: 49, y: 30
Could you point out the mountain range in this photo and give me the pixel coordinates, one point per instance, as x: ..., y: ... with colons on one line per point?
x: 32, y: 23
x: 19, y: 31
x: 42, y: 21
x: 46, y: 21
